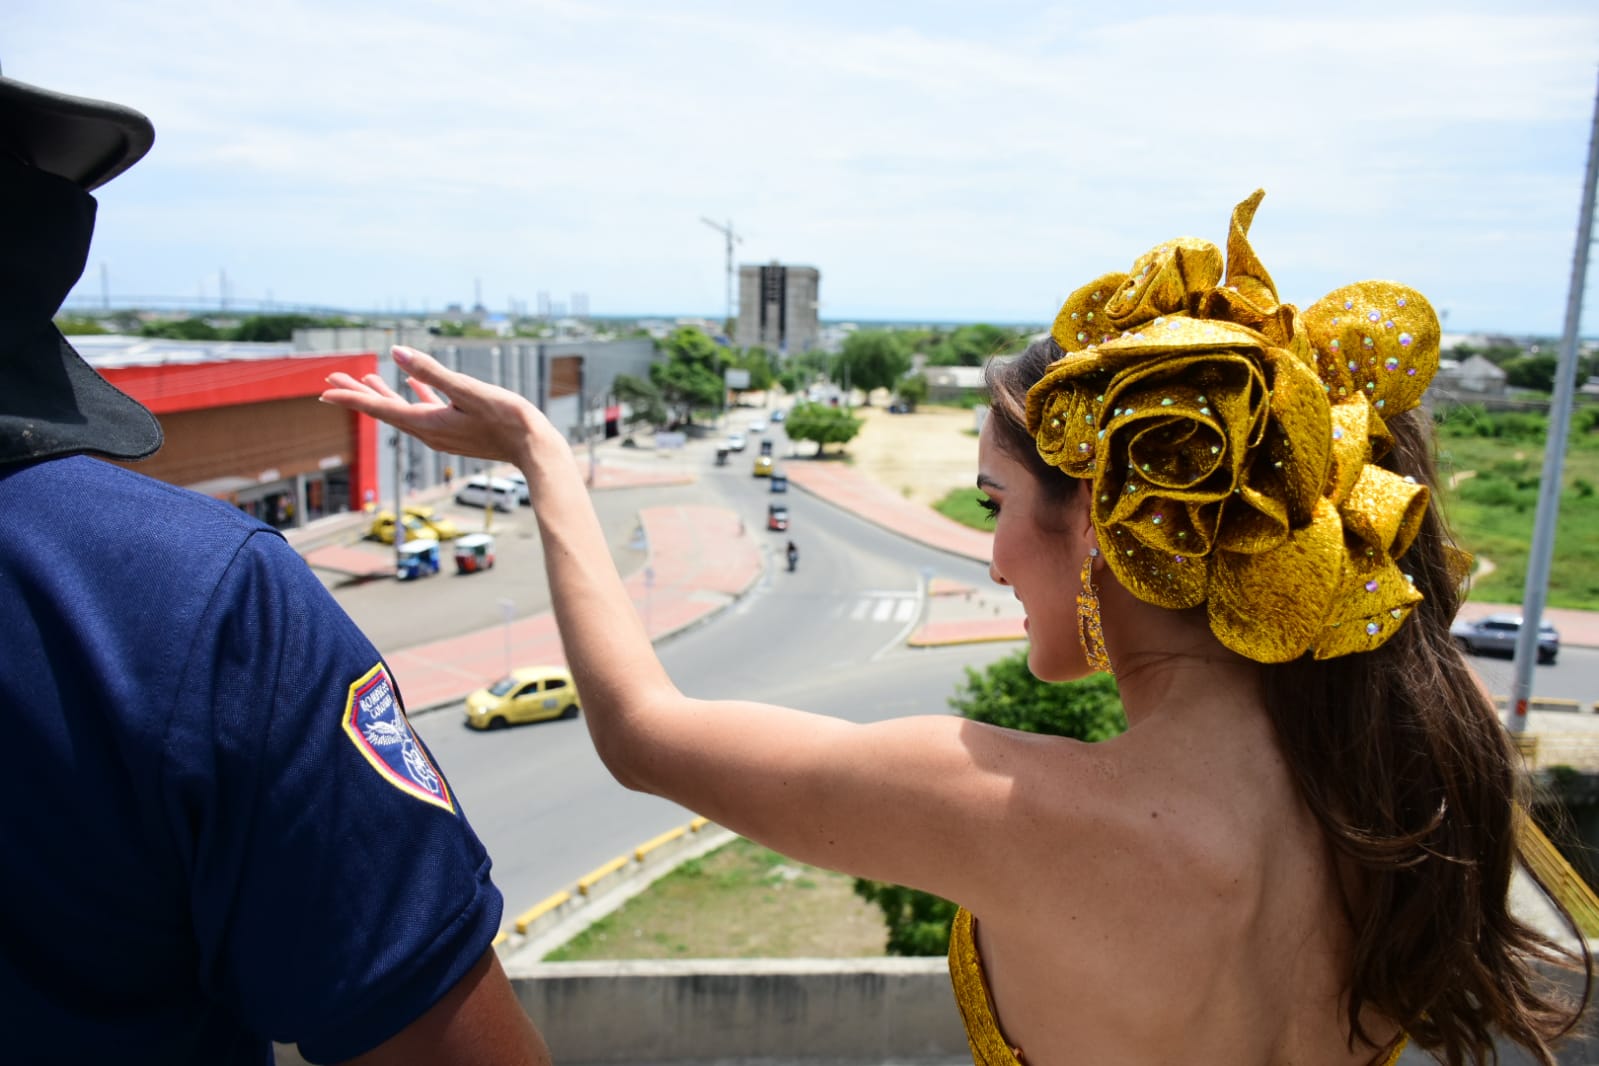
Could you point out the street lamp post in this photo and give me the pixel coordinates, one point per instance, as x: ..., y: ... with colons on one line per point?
x: 1543, y: 531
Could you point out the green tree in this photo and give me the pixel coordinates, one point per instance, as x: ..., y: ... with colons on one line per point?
x: 1535, y: 372
x: 183, y: 329
x: 691, y: 376
x: 872, y: 359
x: 759, y: 362
x: 641, y: 398
x: 272, y: 327
x: 912, y: 390
x: 1005, y: 694
x: 78, y: 325
x: 462, y: 329
x: 972, y: 345
x: 823, y: 424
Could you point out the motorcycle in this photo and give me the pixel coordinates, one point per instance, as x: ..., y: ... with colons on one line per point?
x: 793, y: 556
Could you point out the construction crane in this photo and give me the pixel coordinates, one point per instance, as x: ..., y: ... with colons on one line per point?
x: 732, y: 238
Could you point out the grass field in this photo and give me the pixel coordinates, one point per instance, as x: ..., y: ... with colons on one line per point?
x: 961, y: 505
x: 741, y: 901
x: 1495, y: 499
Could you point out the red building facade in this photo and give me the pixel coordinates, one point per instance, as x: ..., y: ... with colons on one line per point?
x: 252, y: 432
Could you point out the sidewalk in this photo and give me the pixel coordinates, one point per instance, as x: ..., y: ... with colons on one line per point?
x: 701, y: 559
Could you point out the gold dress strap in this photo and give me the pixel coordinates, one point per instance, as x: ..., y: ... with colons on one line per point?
x: 988, y: 1044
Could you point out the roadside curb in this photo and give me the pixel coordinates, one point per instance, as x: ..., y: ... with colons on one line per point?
x: 562, y: 915
x: 883, y: 514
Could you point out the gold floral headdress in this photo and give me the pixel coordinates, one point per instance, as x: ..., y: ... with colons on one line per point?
x: 1231, y: 442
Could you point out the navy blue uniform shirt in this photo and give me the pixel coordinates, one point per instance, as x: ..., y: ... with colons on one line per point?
x: 219, y: 828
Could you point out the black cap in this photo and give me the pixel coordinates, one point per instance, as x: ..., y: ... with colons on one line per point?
x: 88, y: 142
x: 53, y: 149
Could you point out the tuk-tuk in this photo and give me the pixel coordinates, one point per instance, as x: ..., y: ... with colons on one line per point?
x: 721, y: 457
x: 474, y: 552
x: 777, y: 517
x: 417, y: 558
x: 779, y: 482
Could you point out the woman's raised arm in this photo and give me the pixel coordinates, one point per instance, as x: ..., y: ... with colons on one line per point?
x: 907, y: 800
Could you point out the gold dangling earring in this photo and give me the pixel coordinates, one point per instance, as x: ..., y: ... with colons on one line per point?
x: 1090, y: 630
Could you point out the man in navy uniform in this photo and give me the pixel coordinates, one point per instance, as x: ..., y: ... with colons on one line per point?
x: 220, y: 830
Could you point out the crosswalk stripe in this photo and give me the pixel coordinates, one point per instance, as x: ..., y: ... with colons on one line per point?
x: 884, y: 609
x: 860, y: 610
x: 905, y: 610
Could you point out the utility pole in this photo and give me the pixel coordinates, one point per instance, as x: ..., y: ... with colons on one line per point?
x: 732, y: 238
x: 1554, y: 456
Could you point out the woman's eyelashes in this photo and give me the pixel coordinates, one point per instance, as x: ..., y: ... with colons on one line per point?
x: 990, y: 505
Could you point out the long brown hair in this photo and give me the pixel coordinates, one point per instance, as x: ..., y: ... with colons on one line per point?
x: 1403, y: 761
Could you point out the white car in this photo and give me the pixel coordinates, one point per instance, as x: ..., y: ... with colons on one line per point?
x: 522, y: 496
x: 735, y: 442
x: 757, y: 425
x: 482, y: 491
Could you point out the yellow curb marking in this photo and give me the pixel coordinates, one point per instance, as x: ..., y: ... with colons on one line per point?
x: 655, y: 842
x: 525, y: 920
x: 587, y: 884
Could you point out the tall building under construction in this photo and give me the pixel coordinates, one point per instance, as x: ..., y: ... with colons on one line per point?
x: 777, y: 307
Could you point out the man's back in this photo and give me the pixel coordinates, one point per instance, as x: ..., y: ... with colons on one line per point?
x: 221, y: 827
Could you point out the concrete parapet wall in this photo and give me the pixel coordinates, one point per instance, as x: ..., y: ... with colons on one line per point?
x: 872, y: 1010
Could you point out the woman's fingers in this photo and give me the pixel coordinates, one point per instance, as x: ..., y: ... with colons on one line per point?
x: 424, y: 392
x: 453, y: 412
x: 376, y: 383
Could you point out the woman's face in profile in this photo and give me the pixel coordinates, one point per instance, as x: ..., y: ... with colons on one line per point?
x: 1039, y: 555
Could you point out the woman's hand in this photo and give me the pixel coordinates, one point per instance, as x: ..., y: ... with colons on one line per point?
x: 472, y: 417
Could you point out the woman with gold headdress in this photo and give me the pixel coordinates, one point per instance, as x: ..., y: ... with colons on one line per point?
x: 1300, y: 851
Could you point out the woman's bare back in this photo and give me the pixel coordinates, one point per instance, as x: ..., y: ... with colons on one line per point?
x: 1198, y: 921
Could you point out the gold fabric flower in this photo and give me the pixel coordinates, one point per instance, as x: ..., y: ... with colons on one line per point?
x: 1230, y: 442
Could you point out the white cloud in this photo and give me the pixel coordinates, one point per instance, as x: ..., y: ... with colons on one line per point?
x: 982, y: 159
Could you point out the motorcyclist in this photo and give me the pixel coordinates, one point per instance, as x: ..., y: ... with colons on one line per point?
x: 793, y: 555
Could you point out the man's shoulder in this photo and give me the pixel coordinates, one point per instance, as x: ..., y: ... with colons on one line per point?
x: 93, y: 495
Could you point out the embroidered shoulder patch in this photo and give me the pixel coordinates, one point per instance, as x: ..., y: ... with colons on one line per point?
x: 377, y: 726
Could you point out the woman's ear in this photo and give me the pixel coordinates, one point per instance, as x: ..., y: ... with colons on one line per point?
x: 1081, y: 512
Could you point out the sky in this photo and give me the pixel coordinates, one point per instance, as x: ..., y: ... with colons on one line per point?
x: 936, y: 161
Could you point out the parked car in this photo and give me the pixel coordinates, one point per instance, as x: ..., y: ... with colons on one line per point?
x: 763, y: 466
x: 777, y: 517
x: 479, y: 490
x: 442, y: 527
x: 735, y: 442
x: 522, y: 495
x: 382, y: 527
x: 1497, y: 634
x: 531, y: 694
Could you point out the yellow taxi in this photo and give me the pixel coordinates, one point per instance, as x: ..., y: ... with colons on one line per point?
x: 442, y: 527
x: 531, y: 694
x: 382, y: 528
x: 763, y: 466
x: 421, y: 523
